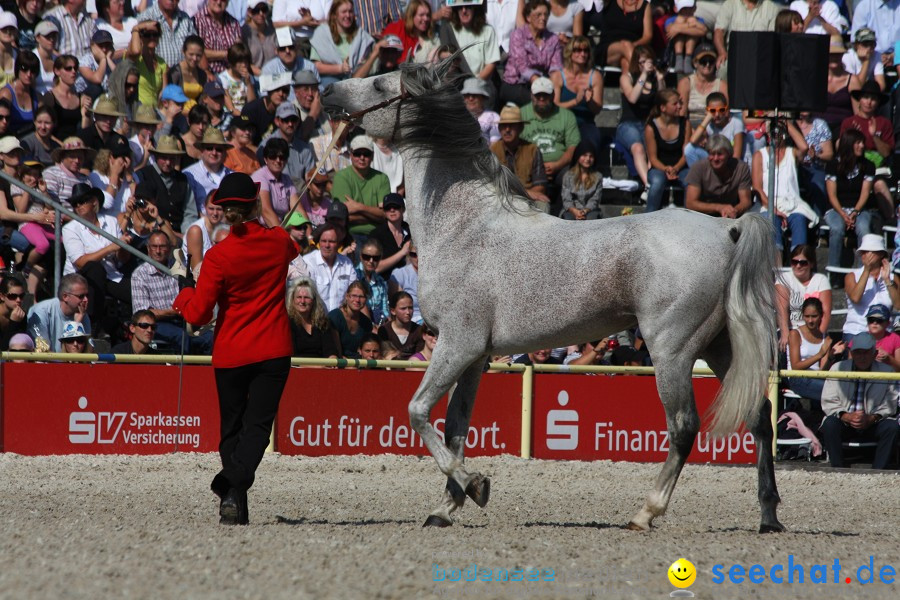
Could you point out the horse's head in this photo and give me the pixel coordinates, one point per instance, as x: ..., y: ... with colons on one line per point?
x: 367, y: 102
x: 378, y: 103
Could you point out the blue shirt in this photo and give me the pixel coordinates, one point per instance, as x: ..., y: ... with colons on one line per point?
x: 46, y: 320
x: 882, y: 17
x: 378, y: 295
x: 407, y: 279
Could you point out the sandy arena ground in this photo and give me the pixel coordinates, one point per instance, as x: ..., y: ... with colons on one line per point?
x: 345, y: 527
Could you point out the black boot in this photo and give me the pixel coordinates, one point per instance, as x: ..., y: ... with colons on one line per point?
x: 233, y: 508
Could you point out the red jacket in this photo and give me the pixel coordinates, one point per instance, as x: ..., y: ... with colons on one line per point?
x: 245, y: 274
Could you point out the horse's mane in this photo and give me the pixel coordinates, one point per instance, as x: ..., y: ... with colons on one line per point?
x: 436, y: 124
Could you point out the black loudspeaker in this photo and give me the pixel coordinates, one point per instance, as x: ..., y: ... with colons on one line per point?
x: 753, y: 70
x: 804, y: 71
x: 788, y: 71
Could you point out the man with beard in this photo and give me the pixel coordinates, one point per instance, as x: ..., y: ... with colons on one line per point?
x: 523, y: 158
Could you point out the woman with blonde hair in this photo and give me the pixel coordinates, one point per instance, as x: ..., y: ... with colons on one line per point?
x: 339, y: 46
x: 200, y: 235
x: 415, y: 29
x: 578, y: 86
x: 311, y: 330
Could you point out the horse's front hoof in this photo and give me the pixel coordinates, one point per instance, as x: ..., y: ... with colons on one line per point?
x: 775, y: 527
x: 436, y: 521
x: 632, y: 526
x: 479, y: 490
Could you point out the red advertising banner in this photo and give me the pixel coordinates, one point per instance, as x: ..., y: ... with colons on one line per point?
x: 577, y: 417
x: 325, y: 412
x: 107, y: 409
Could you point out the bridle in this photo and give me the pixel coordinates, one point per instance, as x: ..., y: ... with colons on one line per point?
x: 403, y: 95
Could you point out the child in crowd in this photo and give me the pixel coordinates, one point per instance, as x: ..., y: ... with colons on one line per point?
x: 685, y: 31
x: 718, y: 120
x: 237, y: 79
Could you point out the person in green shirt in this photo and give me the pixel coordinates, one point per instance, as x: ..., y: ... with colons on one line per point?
x: 553, y: 129
x: 361, y: 189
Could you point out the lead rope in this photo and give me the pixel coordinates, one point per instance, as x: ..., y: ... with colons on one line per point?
x: 336, y: 135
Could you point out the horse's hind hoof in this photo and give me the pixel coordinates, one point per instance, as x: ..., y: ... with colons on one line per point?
x: 632, y: 526
x: 775, y: 527
x: 479, y: 490
x: 436, y: 521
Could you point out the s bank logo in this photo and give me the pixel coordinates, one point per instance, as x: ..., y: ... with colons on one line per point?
x: 562, y: 426
x: 88, y: 427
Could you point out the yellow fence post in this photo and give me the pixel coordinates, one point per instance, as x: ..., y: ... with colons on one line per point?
x: 527, y: 401
x: 773, y: 399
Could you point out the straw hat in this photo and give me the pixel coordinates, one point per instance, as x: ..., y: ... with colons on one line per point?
x: 72, y: 144
x: 212, y: 137
x: 510, y: 114
x: 106, y: 106
x: 145, y: 115
x: 837, y: 45
x: 168, y: 145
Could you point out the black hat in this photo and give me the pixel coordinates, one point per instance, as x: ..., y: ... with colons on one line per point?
x: 337, y: 210
x: 393, y: 200
x: 236, y: 188
x: 144, y: 190
x: 84, y: 192
x: 118, y: 146
x: 870, y: 88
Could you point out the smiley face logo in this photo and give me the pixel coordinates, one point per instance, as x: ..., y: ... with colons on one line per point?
x: 682, y: 573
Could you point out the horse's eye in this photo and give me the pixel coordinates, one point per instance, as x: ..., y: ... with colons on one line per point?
x: 377, y: 85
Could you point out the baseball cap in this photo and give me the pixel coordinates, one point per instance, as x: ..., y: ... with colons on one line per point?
x: 7, y: 19
x: 393, y: 200
x: 879, y: 311
x: 864, y: 34
x: 337, y: 210
x: 101, y: 36
x: 118, y: 146
x: 286, y: 110
x: 297, y: 220
x: 8, y: 144
x: 679, y: 4
x: 175, y: 93
x: 475, y: 87
x: 541, y: 85
x: 704, y: 49
x: 46, y: 27
x: 269, y: 83
x: 213, y: 89
x: 72, y: 330
x: 362, y: 142
x: 393, y: 42
x: 862, y: 341
x: 242, y: 122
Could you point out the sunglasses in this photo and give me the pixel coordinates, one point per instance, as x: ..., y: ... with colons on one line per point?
x: 149, y: 35
x: 150, y: 326
x: 4, y: 117
x: 79, y: 296
x: 286, y: 49
x: 278, y: 157
x: 574, y: 50
x: 15, y: 296
x: 262, y: 8
x: 362, y: 154
x: 875, y: 320
x: 69, y: 68
x: 371, y: 256
x: 717, y: 111
x: 799, y: 262
x: 706, y: 61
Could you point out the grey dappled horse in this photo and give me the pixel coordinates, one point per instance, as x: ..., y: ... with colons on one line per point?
x: 497, y: 276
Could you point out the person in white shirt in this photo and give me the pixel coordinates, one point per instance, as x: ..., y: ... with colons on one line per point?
x: 332, y: 271
x: 206, y: 174
x: 820, y: 17
x: 94, y: 256
x: 863, y: 61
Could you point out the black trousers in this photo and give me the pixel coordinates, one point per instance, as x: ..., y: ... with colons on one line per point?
x: 835, y: 432
x: 248, y: 401
x: 99, y: 287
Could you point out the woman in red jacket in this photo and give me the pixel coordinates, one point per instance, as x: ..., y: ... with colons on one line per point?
x: 245, y: 275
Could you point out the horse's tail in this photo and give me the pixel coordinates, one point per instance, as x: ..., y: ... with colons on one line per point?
x: 750, y: 313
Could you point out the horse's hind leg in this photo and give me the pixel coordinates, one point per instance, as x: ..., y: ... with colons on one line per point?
x: 673, y: 380
x: 448, y: 364
x: 718, y: 357
x: 456, y: 428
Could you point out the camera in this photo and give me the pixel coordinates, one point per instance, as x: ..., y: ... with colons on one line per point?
x: 140, y: 203
x: 662, y: 65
